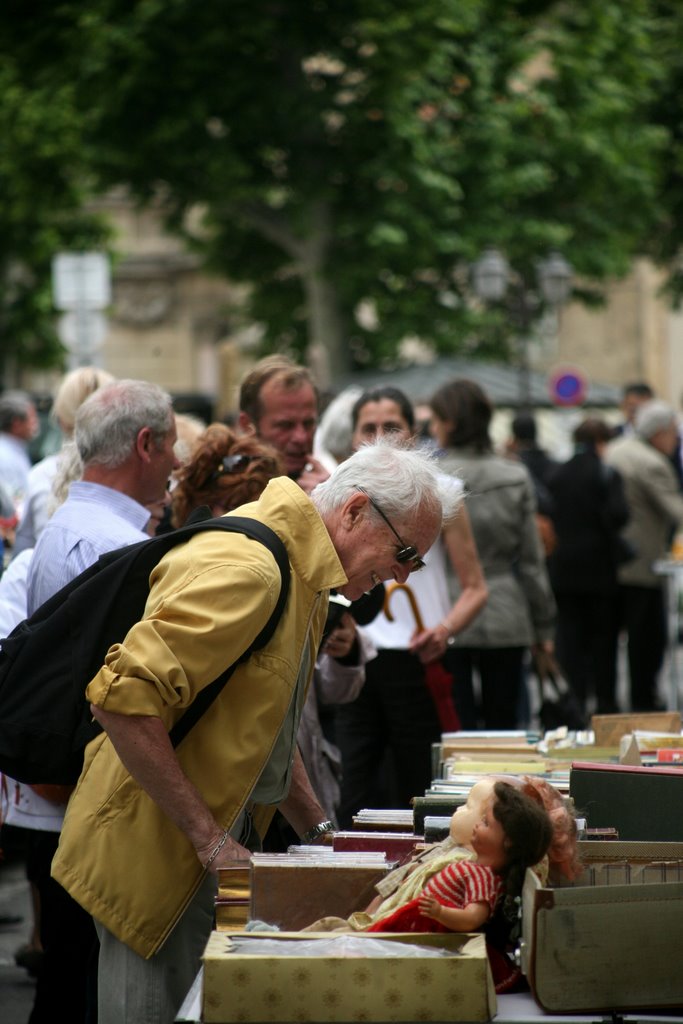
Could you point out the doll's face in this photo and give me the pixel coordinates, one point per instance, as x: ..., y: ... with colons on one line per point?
x: 467, y: 816
x: 489, y: 840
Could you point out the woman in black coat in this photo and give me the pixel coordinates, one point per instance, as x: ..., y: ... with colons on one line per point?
x: 589, y: 511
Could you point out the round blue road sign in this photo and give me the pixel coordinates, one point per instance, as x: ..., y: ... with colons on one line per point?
x: 568, y: 387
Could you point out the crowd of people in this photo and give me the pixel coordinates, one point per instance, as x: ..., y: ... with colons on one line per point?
x: 451, y: 565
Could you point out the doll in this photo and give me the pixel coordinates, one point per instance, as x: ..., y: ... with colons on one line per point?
x: 407, y: 881
x: 514, y: 832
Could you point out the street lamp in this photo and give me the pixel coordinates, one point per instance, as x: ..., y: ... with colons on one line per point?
x: 494, y: 281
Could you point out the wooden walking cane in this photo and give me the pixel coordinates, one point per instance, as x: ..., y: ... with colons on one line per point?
x: 438, y: 679
x: 390, y: 589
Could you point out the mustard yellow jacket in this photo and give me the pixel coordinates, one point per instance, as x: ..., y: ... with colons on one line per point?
x: 119, y: 856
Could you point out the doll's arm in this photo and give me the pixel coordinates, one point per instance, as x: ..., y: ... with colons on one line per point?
x: 456, y: 919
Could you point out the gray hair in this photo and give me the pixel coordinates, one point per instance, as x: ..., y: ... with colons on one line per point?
x: 400, y: 478
x: 109, y: 421
x: 335, y: 430
x: 652, y: 417
x: 14, y: 405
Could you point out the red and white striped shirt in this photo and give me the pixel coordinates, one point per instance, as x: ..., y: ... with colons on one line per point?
x: 465, y: 882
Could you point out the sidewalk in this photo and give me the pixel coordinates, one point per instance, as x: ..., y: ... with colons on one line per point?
x: 16, y: 987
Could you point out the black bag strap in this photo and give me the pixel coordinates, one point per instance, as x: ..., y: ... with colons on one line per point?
x: 260, y: 532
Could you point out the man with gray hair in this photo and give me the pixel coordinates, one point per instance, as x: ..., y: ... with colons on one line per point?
x: 656, y: 512
x: 124, y: 433
x: 149, y: 825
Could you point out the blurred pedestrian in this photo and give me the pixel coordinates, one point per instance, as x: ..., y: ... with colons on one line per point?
x: 18, y: 426
x: 656, y: 511
x: 520, y: 611
x: 523, y: 445
x: 590, y: 511
x: 393, y: 722
x: 633, y: 395
x: 71, y: 393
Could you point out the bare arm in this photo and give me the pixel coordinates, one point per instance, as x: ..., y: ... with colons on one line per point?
x: 300, y: 807
x: 456, y: 919
x: 145, y: 750
x: 431, y: 644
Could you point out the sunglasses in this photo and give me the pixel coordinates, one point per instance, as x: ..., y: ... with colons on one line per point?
x: 238, y: 463
x: 407, y: 553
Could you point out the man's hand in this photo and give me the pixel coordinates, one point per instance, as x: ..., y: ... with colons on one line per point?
x: 340, y: 641
x: 313, y: 473
x: 144, y: 748
x: 230, y: 853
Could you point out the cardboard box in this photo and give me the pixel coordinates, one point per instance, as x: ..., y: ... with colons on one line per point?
x: 642, y: 803
x: 609, y: 729
x: 628, y: 863
x: 612, y: 940
x: 242, y: 987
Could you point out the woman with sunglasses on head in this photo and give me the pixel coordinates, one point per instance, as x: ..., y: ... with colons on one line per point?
x: 224, y: 471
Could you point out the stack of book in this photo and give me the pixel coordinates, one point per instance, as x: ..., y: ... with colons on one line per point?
x: 292, y: 890
x: 383, y: 820
x: 398, y: 846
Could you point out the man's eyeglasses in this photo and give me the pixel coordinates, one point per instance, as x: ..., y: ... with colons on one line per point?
x: 238, y: 463
x: 406, y: 552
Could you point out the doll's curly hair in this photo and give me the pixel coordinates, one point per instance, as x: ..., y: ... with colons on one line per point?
x: 209, y: 478
x: 563, y: 854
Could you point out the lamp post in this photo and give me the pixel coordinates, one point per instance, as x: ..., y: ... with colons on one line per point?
x: 494, y: 281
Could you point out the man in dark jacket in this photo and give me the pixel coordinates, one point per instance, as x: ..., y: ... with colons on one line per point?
x: 589, y: 510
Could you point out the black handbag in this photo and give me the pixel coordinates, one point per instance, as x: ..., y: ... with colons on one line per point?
x: 559, y: 704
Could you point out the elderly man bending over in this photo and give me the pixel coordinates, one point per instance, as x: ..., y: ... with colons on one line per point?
x: 149, y: 826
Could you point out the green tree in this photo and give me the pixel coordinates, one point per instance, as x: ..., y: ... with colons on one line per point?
x: 665, y: 243
x: 40, y: 213
x: 338, y: 154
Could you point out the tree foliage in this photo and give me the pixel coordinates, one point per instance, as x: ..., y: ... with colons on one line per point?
x: 664, y: 243
x: 365, y: 153
x: 41, y: 212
